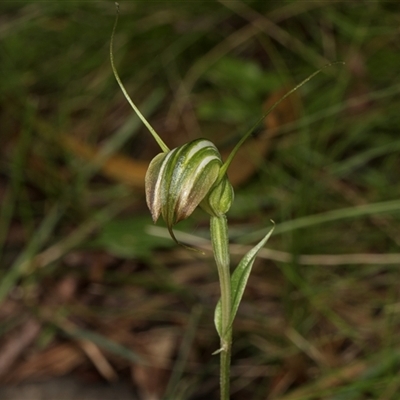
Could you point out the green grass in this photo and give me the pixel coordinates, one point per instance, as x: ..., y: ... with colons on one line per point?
x: 330, y: 181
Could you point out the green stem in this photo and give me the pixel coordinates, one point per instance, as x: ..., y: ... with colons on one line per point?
x: 225, y: 366
x: 220, y: 243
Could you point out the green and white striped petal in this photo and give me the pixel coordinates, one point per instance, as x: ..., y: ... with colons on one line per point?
x: 177, y: 181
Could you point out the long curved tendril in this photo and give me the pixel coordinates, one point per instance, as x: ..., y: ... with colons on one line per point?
x: 157, y: 138
x: 250, y: 131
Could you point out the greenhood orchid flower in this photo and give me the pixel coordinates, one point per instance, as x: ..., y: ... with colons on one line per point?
x: 183, y: 178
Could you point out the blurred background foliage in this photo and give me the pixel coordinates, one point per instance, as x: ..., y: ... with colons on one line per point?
x: 89, y: 288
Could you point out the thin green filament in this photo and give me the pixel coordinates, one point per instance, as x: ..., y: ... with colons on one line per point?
x: 250, y: 131
x: 157, y: 138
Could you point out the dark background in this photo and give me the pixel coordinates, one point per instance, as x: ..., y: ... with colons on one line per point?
x: 92, y: 291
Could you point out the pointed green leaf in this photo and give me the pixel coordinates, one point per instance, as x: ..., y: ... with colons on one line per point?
x: 218, y: 318
x: 242, y: 273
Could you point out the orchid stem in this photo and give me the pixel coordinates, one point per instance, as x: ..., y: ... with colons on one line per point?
x: 220, y: 244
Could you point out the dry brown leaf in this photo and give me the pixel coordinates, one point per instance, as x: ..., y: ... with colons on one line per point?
x: 55, y: 361
x: 157, y: 347
x: 99, y: 360
x: 17, y: 343
x: 15, y: 346
x: 118, y: 167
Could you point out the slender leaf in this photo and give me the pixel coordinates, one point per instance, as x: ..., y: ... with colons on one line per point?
x: 242, y: 273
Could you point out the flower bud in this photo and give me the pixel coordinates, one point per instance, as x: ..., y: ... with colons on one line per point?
x: 219, y: 199
x: 177, y: 181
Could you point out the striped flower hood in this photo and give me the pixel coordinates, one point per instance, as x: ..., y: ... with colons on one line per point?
x: 179, y: 180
